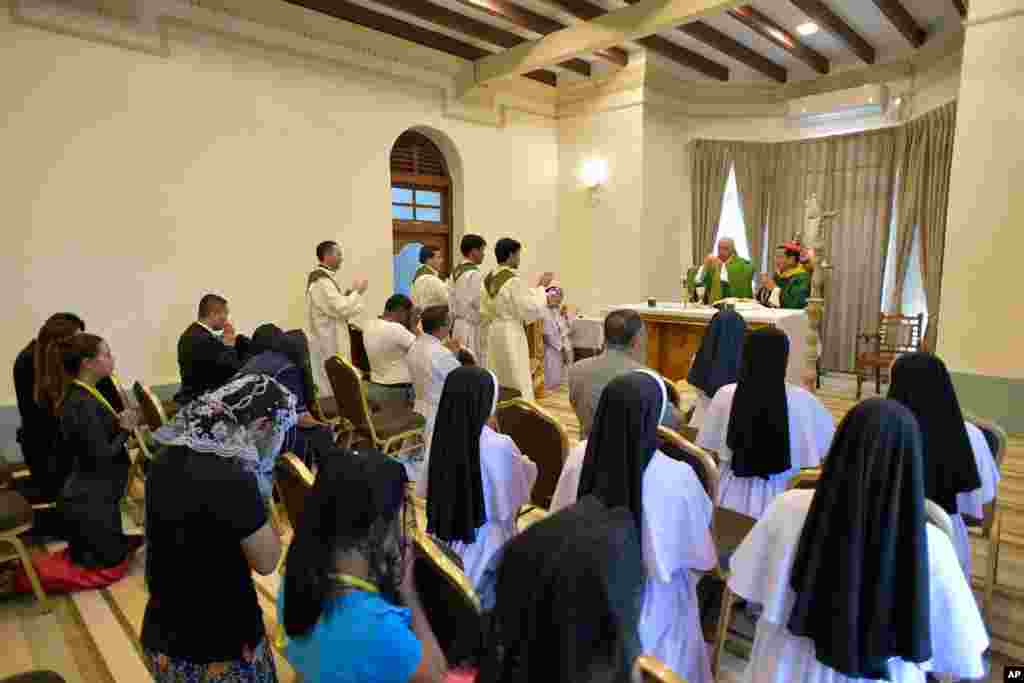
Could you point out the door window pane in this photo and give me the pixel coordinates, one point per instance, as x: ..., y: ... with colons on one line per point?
x: 401, y: 195
x: 426, y: 198
x: 402, y: 213
x: 431, y: 215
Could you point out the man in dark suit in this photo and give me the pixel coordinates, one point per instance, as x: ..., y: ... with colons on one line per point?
x: 205, y: 360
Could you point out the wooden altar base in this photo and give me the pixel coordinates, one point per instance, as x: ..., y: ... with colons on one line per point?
x: 672, y: 342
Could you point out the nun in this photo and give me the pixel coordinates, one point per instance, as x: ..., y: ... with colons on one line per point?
x: 476, y: 478
x: 621, y: 466
x: 960, y: 473
x: 854, y: 584
x: 718, y: 360
x: 763, y: 429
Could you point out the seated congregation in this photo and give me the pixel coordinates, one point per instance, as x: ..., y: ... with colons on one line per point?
x: 849, y: 581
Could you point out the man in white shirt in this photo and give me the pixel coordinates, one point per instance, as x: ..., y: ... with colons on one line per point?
x: 428, y: 289
x: 466, y: 288
x: 387, y: 339
x: 328, y: 312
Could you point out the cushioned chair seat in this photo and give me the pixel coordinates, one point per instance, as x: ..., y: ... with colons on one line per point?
x: 390, y: 422
x: 15, y: 511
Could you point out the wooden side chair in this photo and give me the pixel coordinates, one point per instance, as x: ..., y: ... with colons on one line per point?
x: 449, y: 601
x: 540, y: 437
x: 395, y: 429
x: 805, y: 479
x: 360, y: 359
x: 989, y: 527
x: 647, y: 669
x: 16, y: 519
x: 294, y: 483
x: 896, y: 335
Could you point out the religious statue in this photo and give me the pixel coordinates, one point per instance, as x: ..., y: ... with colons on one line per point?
x: 812, y: 223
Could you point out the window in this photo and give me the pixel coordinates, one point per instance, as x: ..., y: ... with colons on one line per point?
x: 913, y: 300
x: 731, y: 224
x: 409, y: 204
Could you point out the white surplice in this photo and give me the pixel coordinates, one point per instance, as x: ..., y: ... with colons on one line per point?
x: 465, y: 305
x: 429, y: 290
x: 972, y: 503
x: 676, y: 542
x: 429, y: 363
x: 811, y: 428
x: 328, y: 312
x: 508, y: 478
x: 508, y: 354
x: 761, y: 570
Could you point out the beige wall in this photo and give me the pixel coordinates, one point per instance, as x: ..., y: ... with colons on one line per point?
x: 134, y: 183
x: 982, y: 320
x: 666, y: 201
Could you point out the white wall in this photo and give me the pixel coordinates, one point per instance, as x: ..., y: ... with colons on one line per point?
x: 666, y: 201
x: 134, y: 183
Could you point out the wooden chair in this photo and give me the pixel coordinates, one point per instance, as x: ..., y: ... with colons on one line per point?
x: 647, y: 669
x: 540, y: 437
x: 359, y: 357
x: 805, y: 479
x: 989, y: 527
x: 896, y: 335
x: 16, y: 519
x: 395, y: 429
x: 449, y: 601
x: 294, y: 483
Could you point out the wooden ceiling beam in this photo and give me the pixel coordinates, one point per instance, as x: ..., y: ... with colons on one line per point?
x: 727, y: 45
x: 480, y: 30
x: 367, y: 18
x: 765, y: 27
x: 537, y: 23
x: 899, y: 17
x: 818, y: 12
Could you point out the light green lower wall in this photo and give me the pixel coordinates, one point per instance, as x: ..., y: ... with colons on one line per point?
x: 999, y: 399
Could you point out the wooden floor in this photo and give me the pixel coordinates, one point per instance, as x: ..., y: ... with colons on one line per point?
x: 92, y: 637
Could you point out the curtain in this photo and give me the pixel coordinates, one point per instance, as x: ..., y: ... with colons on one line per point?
x: 925, y: 162
x: 710, y: 165
x: 753, y: 167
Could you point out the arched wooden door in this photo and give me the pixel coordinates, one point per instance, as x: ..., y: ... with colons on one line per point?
x: 421, y: 196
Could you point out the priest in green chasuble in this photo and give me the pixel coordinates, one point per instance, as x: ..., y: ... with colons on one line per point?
x: 724, y: 274
x: 793, y: 282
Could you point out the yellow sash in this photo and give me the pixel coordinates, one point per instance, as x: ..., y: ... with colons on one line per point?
x: 97, y: 395
x: 355, y: 582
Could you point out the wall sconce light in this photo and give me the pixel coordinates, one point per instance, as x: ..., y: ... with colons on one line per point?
x: 594, y: 175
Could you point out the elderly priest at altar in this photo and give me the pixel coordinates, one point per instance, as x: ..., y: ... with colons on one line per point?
x: 724, y: 274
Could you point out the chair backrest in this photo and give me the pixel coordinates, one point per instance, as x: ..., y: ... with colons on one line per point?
x: 449, y: 601
x: 675, y: 446
x: 359, y: 357
x: 647, y: 669
x: 995, y: 437
x: 541, y: 438
x: 152, y: 410
x: 294, y: 483
x: 805, y: 479
x: 900, y: 333
x: 937, y: 516
x: 347, y: 383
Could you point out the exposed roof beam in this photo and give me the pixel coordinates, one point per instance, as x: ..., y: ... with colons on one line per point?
x: 442, y: 16
x: 356, y: 14
x: 727, y: 45
x: 961, y: 7
x: 583, y: 9
x: 834, y: 24
x: 765, y: 27
x: 901, y: 19
x: 537, y: 23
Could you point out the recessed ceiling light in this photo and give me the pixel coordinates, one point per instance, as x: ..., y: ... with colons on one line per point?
x: 810, y: 28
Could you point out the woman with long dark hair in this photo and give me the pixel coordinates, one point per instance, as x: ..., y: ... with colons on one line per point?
x: 854, y: 584
x: 208, y: 530
x: 960, y: 473
x: 349, y: 605
x: 477, y: 478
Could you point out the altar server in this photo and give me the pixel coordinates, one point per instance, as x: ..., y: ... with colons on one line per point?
x: 477, y: 478
x: 329, y: 311
x: 717, y: 362
x: 854, y: 584
x: 466, y: 289
x: 428, y: 288
x: 507, y: 304
x: 621, y: 466
x: 763, y: 429
x: 960, y: 473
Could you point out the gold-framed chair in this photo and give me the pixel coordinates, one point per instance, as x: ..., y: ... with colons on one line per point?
x: 647, y: 669
x: 989, y: 527
x: 449, y: 601
x: 541, y: 438
x: 535, y: 344
x: 896, y: 335
x: 16, y: 519
x: 678, y: 447
x: 393, y: 425
x: 806, y: 478
x: 360, y: 358
x: 294, y: 483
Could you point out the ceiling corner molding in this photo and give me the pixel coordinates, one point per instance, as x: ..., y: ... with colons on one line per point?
x: 96, y: 26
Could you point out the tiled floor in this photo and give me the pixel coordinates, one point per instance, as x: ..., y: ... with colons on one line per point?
x: 93, y: 637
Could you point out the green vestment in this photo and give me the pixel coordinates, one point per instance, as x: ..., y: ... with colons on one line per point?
x: 740, y: 284
x: 795, y: 287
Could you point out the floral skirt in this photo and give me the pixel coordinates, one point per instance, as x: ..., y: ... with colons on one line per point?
x: 256, y: 667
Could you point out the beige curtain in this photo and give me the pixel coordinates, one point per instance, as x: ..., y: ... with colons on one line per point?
x: 709, y: 173
x: 754, y: 164
x: 925, y: 162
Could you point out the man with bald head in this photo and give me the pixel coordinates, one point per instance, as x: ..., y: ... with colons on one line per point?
x: 724, y: 274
